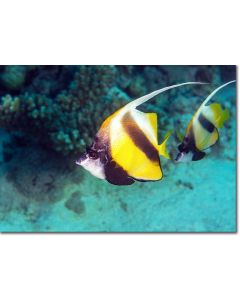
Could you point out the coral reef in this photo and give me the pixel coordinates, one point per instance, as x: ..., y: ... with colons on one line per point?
x: 64, y: 120
x: 13, y: 77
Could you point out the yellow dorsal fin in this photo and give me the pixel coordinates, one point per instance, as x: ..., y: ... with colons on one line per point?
x: 215, y: 114
x: 152, y: 117
x: 162, y: 149
x: 219, y: 115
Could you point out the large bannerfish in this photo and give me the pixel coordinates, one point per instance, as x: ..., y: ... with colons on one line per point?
x: 126, y: 147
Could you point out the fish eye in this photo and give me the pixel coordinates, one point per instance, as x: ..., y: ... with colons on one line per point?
x: 93, y: 154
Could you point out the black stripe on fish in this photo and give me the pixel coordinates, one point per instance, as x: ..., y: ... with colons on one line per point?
x: 188, y: 143
x: 139, y: 138
x: 198, y: 155
x: 192, y: 140
x: 116, y: 174
x: 206, y: 124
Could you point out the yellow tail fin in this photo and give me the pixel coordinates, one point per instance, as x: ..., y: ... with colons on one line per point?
x: 162, y: 149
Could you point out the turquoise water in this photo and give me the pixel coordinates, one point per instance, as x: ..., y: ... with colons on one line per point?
x: 42, y: 191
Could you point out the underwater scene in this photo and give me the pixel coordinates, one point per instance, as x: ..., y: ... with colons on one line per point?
x: 118, y: 148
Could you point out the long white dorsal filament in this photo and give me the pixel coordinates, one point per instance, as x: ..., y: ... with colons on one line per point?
x: 214, y: 92
x: 141, y: 100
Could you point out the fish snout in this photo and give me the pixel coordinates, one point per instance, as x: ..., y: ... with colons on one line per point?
x: 81, y: 159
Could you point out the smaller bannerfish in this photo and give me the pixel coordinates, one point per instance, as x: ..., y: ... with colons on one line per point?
x: 202, y: 131
x: 126, y: 147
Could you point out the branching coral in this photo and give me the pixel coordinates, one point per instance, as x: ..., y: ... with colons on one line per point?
x: 68, y: 121
x: 13, y: 77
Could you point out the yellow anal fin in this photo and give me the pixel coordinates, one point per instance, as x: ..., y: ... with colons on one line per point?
x: 215, y: 114
x: 147, y: 171
x: 162, y: 148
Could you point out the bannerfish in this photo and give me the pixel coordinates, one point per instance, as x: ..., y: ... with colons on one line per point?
x: 202, y: 130
x: 125, y: 148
